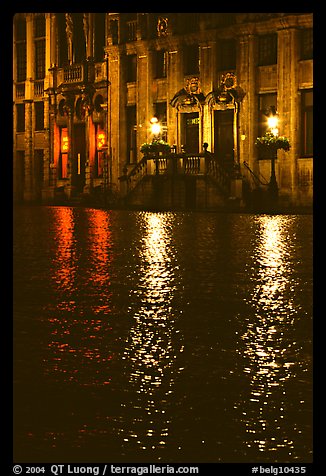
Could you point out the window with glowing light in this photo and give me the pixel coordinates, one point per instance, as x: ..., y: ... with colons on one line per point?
x: 63, y: 159
x: 100, y: 150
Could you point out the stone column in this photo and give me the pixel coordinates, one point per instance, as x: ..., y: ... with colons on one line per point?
x: 144, y: 104
x: 70, y: 188
x: 29, y: 92
x: 46, y: 100
x: 29, y: 176
x: 117, y: 111
x: 287, y: 107
x: 249, y: 107
x: 89, y: 130
x: 174, y: 84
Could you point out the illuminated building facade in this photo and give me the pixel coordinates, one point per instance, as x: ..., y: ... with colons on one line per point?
x: 86, y: 86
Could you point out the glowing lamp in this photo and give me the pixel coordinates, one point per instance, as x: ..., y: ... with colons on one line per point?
x: 272, y: 122
x: 155, y: 126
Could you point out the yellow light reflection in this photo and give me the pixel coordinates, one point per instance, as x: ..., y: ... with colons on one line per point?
x: 154, y: 342
x: 266, y: 346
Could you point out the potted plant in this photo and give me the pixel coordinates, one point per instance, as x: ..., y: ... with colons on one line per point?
x: 272, y: 143
x: 156, y: 147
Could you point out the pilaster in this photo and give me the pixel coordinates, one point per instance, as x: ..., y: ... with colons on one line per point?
x: 248, y: 112
x: 287, y: 105
x: 28, y: 179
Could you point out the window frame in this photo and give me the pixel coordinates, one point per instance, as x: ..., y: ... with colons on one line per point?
x: 306, y: 143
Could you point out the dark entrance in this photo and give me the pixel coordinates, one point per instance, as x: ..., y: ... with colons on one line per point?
x: 38, y: 172
x: 78, y: 160
x: 191, y: 132
x: 223, y: 135
x: 20, y: 175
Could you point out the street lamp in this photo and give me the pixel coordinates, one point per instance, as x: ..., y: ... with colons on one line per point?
x: 155, y: 127
x: 272, y: 122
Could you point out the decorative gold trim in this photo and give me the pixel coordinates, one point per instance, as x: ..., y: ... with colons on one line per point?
x: 162, y: 26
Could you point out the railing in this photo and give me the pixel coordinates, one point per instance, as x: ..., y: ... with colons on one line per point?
x: 256, y: 179
x: 204, y: 164
x: 135, y: 175
x: 39, y: 88
x: 20, y: 90
x: 73, y: 73
x: 221, y: 174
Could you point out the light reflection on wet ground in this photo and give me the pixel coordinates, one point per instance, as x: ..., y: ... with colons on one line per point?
x: 170, y: 337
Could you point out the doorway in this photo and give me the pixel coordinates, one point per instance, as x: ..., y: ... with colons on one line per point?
x: 78, y: 160
x: 191, y: 132
x: 223, y: 135
x: 38, y: 172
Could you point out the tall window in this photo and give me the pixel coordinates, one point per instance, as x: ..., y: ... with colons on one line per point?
x: 99, y: 40
x: 39, y: 35
x: 307, y: 123
x: 20, y: 117
x: 62, y: 40
x: 39, y: 59
x: 267, y: 49
x: 191, y: 59
x: 227, y: 55
x: 20, y: 36
x: 306, y: 44
x: 79, y: 45
x: 161, y: 63
x: 132, y: 30
x: 131, y: 68
x: 39, y: 115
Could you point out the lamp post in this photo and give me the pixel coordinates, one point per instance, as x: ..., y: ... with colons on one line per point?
x: 272, y: 122
x: 155, y: 127
x: 156, y: 131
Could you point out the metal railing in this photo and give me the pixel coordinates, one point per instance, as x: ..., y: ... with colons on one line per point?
x: 204, y: 164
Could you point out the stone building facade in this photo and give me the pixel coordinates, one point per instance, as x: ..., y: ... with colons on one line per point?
x: 86, y: 86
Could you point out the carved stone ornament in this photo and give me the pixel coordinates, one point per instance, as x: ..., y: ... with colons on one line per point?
x: 162, y: 26
x: 193, y: 85
x: 229, y: 81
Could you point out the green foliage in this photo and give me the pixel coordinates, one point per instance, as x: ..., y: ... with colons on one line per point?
x: 271, y: 142
x: 155, y: 147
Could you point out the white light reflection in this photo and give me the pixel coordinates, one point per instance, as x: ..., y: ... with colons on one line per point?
x: 154, y: 342
x: 269, y: 350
